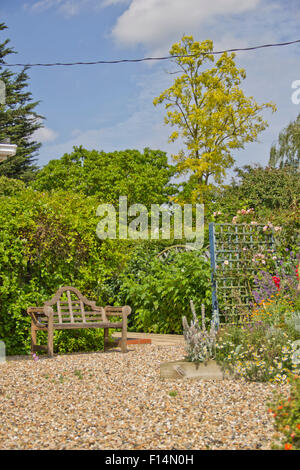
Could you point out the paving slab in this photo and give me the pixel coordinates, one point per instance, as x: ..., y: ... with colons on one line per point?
x: 156, y: 339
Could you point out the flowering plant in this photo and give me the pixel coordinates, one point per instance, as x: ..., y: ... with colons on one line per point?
x: 283, y: 284
x: 276, y: 281
x: 286, y: 413
x: 257, y: 353
x: 272, y: 311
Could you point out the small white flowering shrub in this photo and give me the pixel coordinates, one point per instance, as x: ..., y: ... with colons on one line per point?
x: 200, y: 343
x: 257, y: 353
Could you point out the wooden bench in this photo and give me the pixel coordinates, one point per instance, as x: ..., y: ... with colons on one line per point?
x: 69, y: 309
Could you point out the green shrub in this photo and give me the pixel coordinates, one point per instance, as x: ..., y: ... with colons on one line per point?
x: 78, y: 340
x: 160, y: 291
x: 273, y: 193
x: 48, y: 240
x: 81, y: 340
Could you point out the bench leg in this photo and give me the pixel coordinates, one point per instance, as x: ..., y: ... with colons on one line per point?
x: 124, y: 335
x: 50, y: 337
x: 106, y: 330
x: 33, y: 337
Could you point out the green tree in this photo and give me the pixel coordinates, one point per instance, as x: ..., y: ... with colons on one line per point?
x: 142, y: 177
x: 210, y: 111
x: 267, y: 188
x: 18, y: 119
x: 273, y: 193
x: 287, y: 151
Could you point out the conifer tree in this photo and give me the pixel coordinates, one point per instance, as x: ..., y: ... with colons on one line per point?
x: 18, y: 119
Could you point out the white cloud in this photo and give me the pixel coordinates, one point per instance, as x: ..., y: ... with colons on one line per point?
x: 45, y: 134
x: 154, y: 22
x: 44, y: 4
x: 107, y: 3
x: 72, y: 7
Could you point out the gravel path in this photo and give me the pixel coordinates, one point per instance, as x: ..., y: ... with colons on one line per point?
x: 115, y: 401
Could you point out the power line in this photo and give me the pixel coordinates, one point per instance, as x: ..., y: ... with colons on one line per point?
x: 144, y: 59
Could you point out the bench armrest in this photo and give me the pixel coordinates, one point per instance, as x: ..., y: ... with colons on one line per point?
x: 37, y: 312
x: 40, y: 311
x: 117, y: 311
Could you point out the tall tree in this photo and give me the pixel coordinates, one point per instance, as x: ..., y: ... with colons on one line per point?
x: 18, y: 119
x: 142, y: 177
x: 287, y: 151
x: 210, y: 111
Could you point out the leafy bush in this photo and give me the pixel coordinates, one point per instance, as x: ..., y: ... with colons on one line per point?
x: 78, y: 340
x: 160, y: 291
x: 264, y: 189
x: 47, y: 241
x: 286, y: 411
x: 273, y: 194
x: 69, y: 341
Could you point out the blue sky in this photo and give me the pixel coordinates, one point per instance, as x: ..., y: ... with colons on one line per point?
x: 109, y: 107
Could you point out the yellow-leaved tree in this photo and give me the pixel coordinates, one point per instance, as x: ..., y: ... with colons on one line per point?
x: 210, y: 111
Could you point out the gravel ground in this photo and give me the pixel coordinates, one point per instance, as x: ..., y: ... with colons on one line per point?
x: 118, y: 401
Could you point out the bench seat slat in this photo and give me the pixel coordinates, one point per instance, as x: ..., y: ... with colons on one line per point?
x: 70, y: 326
x: 79, y: 317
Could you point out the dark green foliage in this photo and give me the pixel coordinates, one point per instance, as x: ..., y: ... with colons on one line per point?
x: 78, y: 340
x: 160, y: 291
x: 273, y: 193
x: 18, y: 119
x: 142, y: 177
x: 47, y: 241
x: 269, y: 188
x: 262, y: 189
x: 70, y: 341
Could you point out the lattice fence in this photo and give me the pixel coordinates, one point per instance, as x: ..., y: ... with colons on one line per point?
x: 231, y: 249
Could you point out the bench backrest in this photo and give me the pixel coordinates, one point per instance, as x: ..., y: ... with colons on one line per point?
x: 70, y: 306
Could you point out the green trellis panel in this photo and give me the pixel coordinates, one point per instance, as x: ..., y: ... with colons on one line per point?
x: 231, y: 289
